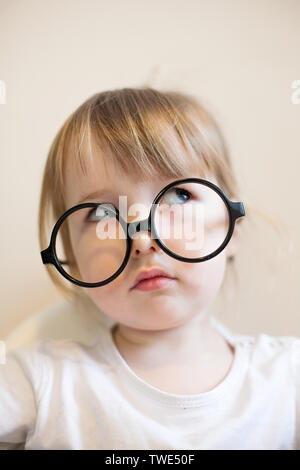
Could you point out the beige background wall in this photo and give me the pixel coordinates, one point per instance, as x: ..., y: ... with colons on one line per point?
x: 239, y: 57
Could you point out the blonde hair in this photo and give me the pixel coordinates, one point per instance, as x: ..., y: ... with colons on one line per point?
x: 142, y: 131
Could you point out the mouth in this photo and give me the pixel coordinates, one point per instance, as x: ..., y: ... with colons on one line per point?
x: 154, y: 278
x: 155, y: 283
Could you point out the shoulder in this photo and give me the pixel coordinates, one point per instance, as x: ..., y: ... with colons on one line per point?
x: 295, y: 360
x: 267, y: 352
x: 261, y: 344
x: 61, y: 350
x: 44, y: 362
x: 43, y: 354
x: 264, y: 341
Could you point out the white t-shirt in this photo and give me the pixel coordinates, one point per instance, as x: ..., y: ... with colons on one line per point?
x: 63, y: 394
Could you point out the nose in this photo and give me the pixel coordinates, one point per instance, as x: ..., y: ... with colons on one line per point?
x: 140, y: 234
x: 143, y: 243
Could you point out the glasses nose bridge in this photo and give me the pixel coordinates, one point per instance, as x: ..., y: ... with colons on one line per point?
x: 139, y: 226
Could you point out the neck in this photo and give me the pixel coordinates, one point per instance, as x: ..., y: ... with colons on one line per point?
x: 196, y: 339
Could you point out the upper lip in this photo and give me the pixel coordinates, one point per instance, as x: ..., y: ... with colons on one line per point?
x: 149, y: 273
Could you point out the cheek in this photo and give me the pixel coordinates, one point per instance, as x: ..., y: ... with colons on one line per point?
x: 207, y: 275
x: 109, y: 298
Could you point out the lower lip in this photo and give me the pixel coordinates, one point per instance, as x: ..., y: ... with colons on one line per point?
x: 154, y: 283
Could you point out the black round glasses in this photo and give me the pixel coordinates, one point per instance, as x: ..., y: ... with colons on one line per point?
x: 192, y: 220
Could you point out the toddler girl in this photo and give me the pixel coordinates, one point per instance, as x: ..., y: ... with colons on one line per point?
x: 162, y: 373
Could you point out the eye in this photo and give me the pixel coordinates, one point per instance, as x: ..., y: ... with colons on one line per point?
x: 99, y: 213
x: 177, y: 195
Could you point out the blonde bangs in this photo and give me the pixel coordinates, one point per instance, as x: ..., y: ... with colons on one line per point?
x: 145, y: 133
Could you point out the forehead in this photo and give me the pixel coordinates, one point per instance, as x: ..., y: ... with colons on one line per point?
x: 95, y: 171
x: 99, y: 174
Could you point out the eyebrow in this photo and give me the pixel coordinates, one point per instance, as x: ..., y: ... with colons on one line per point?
x: 96, y: 195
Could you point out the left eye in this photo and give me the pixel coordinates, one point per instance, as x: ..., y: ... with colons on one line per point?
x: 98, y: 213
x: 181, y: 193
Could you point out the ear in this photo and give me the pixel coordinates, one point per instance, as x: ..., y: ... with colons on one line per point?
x: 233, y: 245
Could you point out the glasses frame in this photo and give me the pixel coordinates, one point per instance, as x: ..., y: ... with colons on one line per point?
x: 235, y: 210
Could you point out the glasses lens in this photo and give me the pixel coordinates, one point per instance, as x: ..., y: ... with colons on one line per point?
x: 91, y: 243
x: 192, y: 220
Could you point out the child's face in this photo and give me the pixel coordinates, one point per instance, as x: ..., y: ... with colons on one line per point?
x: 195, y: 285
